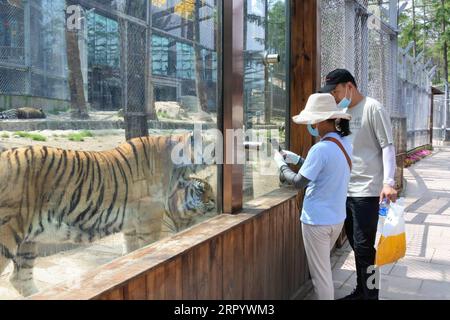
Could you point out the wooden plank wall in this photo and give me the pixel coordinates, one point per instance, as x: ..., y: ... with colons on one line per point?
x: 257, y: 254
x: 262, y: 258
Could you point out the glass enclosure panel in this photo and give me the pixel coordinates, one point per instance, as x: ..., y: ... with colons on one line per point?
x: 73, y: 192
x: 265, y: 92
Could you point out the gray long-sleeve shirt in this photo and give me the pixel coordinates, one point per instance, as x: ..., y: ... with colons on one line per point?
x: 296, y: 179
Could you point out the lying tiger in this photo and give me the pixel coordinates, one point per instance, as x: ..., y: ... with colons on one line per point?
x: 49, y: 195
x: 22, y: 113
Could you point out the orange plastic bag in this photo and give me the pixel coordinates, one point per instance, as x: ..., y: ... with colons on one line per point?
x: 392, y: 244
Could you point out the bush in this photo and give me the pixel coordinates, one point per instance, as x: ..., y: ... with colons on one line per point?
x: 32, y: 136
x: 416, y: 156
x: 79, y: 136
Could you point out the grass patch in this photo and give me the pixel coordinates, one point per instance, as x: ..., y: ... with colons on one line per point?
x: 80, y: 136
x: 32, y: 136
x: 5, y: 135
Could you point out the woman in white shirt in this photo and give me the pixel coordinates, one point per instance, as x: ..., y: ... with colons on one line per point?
x: 325, y: 173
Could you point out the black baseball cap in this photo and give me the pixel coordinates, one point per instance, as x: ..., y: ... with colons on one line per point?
x: 335, y: 77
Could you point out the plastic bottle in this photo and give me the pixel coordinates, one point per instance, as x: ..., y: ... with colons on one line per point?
x: 383, y: 208
x: 382, y: 213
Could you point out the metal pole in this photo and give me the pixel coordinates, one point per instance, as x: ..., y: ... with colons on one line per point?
x: 444, y: 138
x: 27, y: 44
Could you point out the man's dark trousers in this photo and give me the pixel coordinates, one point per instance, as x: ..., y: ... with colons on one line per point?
x: 361, y: 228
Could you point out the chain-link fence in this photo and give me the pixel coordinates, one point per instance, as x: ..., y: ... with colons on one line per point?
x: 355, y: 39
x: 415, y: 98
x: 439, y: 117
x: 13, y: 73
x: 361, y: 36
x: 32, y: 55
x: 152, y: 59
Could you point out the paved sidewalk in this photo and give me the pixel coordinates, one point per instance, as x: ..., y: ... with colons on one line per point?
x: 425, y: 271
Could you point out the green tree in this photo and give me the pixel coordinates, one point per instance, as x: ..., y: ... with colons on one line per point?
x: 427, y: 25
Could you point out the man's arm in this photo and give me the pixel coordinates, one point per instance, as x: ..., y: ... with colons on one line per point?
x: 389, y: 166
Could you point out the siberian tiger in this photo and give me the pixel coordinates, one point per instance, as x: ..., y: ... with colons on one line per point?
x: 50, y: 195
x: 22, y: 113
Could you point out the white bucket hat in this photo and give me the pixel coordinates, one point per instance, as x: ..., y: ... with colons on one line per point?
x: 320, y: 107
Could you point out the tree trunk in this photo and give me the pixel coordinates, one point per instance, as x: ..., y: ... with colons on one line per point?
x: 200, y: 87
x: 76, y: 84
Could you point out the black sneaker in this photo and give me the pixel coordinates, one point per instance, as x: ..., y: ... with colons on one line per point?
x: 356, y: 294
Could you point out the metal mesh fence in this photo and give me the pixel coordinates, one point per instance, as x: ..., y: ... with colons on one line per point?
x: 32, y: 55
x: 357, y: 35
x: 439, y: 117
x: 12, y: 49
x: 48, y: 55
x: 415, y: 98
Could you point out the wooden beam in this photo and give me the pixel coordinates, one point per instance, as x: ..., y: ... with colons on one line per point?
x: 305, y: 66
x: 305, y: 70
x: 233, y: 100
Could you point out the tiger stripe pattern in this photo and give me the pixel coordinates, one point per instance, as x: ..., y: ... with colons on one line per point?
x: 51, y: 195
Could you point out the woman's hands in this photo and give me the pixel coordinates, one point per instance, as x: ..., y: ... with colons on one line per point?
x: 291, y: 157
x: 286, y: 157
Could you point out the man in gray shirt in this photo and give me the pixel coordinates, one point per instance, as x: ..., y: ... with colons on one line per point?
x: 372, y: 178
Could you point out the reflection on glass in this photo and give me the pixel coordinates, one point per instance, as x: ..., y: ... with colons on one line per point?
x: 69, y: 77
x: 265, y: 92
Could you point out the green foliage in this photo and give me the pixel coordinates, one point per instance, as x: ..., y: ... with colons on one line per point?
x: 80, y: 136
x: 32, y: 136
x: 427, y: 31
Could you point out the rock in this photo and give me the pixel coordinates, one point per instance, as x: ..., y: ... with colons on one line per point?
x: 170, y: 109
x: 190, y: 103
x: 201, y: 116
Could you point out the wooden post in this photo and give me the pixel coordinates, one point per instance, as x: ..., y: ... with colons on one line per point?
x: 305, y: 72
x: 233, y: 102
x: 305, y: 67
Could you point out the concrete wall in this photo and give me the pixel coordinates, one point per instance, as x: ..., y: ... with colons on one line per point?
x: 19, y: 101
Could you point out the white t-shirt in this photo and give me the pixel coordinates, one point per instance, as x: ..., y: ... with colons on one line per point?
x: 327, y: 168
x: 371, y: 132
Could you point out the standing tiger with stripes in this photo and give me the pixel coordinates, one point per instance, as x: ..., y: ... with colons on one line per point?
x: 50, y: 195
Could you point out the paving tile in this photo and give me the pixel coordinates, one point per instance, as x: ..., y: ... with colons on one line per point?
x: 401, y: 296
x: 408, y: 267
x: 441, y: 256
x: 351, y: 282
x: 438, y: 219
x: 341, y: 276
x: 341, y: 293
x: 386, y: 269
x: 399, y: 285
x: 435, y: 290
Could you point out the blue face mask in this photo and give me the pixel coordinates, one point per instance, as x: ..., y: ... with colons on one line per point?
x: 312, y: 131
x: 346, y: 102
